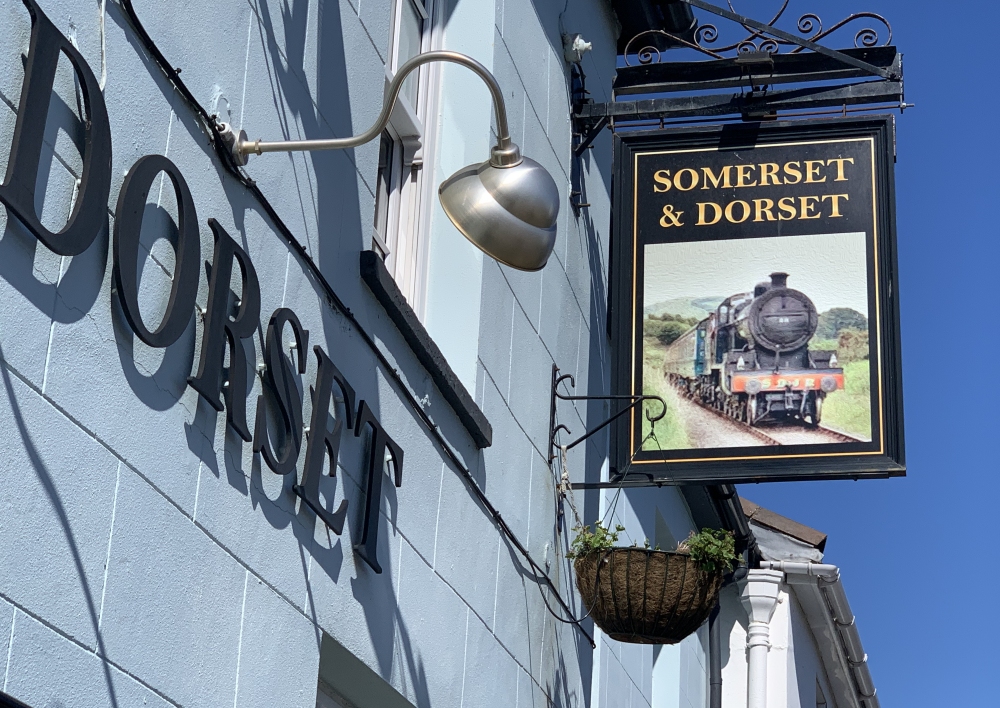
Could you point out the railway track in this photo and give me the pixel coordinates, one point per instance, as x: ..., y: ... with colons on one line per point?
x: 797, y: 435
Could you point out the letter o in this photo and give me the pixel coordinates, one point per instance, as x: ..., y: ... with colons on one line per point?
x: 128, y: 225
x: 729, y: 212
x: 680, y: 173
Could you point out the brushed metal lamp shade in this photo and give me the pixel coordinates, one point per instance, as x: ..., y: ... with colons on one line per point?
x: 508, y: 212
x: 506, y: 206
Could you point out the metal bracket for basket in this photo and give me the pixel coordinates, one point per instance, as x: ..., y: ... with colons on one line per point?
x: 554, y: 428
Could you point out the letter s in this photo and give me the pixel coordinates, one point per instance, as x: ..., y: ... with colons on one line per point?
x: 279, y: 380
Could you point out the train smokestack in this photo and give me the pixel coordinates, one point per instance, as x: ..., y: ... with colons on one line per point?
x: 779, y: 280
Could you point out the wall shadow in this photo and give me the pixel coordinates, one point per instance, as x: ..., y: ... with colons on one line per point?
x: 62, y: 519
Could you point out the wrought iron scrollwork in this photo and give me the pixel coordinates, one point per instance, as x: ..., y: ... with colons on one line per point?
x: 647, y: 46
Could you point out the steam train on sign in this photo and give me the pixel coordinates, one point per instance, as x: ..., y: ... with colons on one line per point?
x: 750, y: 359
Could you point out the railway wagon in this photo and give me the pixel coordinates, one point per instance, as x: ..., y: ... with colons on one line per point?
x: 751, y: 360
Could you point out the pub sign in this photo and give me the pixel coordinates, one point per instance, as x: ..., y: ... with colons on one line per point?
x: 754, y: 292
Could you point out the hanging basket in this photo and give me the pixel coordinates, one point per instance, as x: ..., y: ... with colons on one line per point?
x: 644, y: 596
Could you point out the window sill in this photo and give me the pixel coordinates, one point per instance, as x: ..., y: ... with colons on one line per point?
x: 384, y: 288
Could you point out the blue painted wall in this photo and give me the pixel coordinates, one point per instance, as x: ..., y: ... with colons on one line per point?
x: 146, y: 556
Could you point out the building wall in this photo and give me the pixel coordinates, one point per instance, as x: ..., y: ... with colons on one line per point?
x: 794, y: 665
x: 147, y: 555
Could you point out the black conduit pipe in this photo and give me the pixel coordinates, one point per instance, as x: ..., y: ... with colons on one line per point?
x: 715, y: 658
x: 211, y: 128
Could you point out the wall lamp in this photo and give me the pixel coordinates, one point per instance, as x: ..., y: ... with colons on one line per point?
x: 506, y: 206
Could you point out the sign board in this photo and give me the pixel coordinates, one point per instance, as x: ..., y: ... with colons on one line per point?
x: 754, y: 291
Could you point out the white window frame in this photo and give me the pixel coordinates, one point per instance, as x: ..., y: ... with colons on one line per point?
x: 406, y: 212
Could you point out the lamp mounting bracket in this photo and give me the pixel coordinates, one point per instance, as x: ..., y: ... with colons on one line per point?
x: 554, y: 427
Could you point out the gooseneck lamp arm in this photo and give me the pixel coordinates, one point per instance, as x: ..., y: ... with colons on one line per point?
x: 505, y: 154
x: 507, y: 206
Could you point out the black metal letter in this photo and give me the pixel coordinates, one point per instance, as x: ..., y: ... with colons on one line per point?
x: 367, y: 547
x: 18, y: 188
x: 322, y: 442
x: 222, y: 329
x: 279, y: 378
x: 128, y: 225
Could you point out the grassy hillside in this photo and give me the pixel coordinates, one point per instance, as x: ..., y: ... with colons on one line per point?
x: 850, y: 410
x: 670, y: 433
x: 697, y: 307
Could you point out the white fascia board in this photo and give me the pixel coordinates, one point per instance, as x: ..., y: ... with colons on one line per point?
x: 821, y: 595
x: 827, y: 642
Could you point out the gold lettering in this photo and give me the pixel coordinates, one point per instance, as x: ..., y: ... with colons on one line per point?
x: 835, y: 198
x: 763, y: 207
x: 729, y: 212
x: 769, y: 172
x: 723, y: 177
x: 701, y: 213
x: 806, y: 207
x: 812, y: 170
x: 840, y: 167
x: 792, y: 172
x: 694, y: 179
x: 786, y: 205
x: 661, y: 177
x: 671, y: 217
x: 743, y: 174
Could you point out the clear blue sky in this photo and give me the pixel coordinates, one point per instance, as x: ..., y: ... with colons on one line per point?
x: 919, y: 555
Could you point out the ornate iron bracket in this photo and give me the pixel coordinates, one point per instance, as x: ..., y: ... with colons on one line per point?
x: 688, y: 91
x: 791, y: 38
x: 556, y: 396
x: 583, y: 137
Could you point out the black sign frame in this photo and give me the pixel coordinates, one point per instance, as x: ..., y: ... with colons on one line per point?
x: 884, y: 454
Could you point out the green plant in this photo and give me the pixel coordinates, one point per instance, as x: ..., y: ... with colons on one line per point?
x: 712, y: 550
x: 852, y: 345
x: 587, y: 541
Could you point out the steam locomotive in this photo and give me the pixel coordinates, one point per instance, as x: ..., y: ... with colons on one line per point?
x: 750, y: 358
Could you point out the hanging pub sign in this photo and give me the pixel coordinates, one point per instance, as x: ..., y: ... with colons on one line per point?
x: 754, y: 292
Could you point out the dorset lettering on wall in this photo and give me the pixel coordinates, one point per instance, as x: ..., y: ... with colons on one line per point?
x: 229, y: 320
x: 754, y: 295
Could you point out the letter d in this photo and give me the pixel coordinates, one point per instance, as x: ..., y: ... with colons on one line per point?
x: 18, y: 189
x: 701, y: 214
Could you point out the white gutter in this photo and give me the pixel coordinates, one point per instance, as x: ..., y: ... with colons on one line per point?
x: 826, y: 580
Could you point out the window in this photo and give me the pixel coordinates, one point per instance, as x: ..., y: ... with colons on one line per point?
x: 398, y: 228
x: 820, y: 697
x: 347, y: 682
x: 326, y: 697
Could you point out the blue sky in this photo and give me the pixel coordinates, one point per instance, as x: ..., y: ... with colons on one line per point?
x: 919, y: 555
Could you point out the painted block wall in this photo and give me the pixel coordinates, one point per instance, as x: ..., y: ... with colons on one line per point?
x: 794, y: 666
x: 146, y: 556
x: 641, y: 675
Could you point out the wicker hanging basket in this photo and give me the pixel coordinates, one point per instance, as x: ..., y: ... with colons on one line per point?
x: 644, y: 596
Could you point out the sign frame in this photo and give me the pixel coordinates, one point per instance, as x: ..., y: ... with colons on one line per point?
x: 884, y: 455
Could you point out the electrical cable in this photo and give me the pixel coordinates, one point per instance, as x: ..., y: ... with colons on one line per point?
x: 211, y: 127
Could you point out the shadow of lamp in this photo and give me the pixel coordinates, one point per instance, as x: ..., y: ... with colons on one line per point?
x: 506, y: 206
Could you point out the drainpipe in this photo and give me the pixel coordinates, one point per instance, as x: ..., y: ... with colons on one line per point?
x: 759, y: 597
x: 827, y: 580
x: 715, y: 659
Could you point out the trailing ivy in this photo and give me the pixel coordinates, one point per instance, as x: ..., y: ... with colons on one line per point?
x: 587, y: 541
x: 713, y: 550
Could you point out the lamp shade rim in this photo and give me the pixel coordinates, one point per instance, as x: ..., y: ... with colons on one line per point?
x: 509, y: 213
